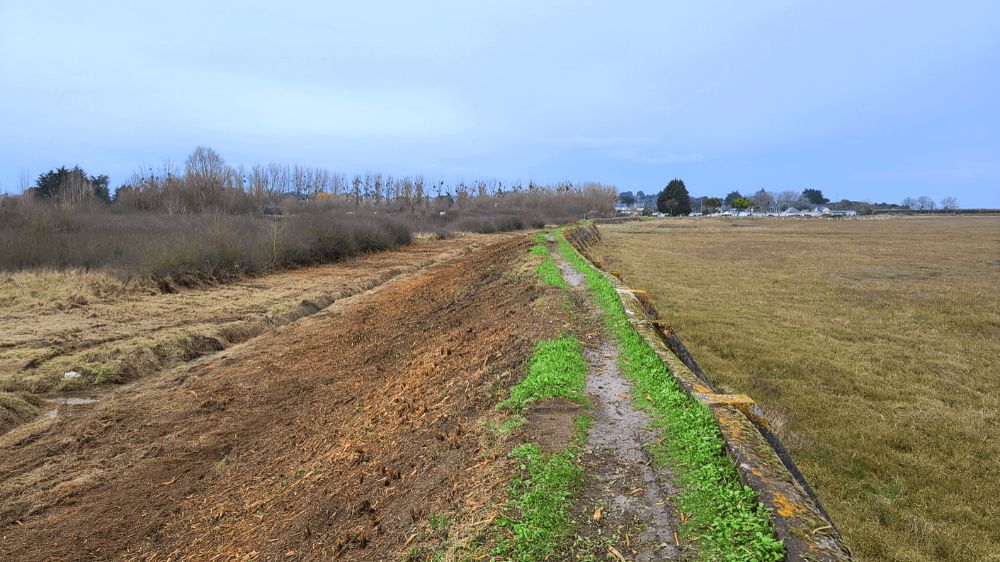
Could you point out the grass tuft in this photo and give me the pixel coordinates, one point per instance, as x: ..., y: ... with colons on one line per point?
x: 548, y: 271
x: 557, y: 369
x: 538, y: 522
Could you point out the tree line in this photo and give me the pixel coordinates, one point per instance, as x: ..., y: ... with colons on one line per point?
x: 205, y: 183
x: 675, y: 200
x: 925, y: 203
x: 206, y: 221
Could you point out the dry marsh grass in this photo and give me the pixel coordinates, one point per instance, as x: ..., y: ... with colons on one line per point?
x: 871, y: 344
x: 22, y: 291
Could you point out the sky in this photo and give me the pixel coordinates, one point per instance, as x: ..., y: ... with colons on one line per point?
x: 864, y: 100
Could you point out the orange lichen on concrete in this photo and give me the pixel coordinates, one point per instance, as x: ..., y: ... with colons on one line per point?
x: 731, y: 426
x: 741, y: 402
x: 784, y: 507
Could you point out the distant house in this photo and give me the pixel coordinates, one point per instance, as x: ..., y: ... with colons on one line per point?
x: 848, y: 213
x: 791, y: 212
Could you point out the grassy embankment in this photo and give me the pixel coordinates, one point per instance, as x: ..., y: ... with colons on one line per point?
x: 870, y: 345
x: 723, y: 516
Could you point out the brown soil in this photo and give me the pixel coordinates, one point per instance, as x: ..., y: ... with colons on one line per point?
x: 334, y: 436
x: 51, y: 322
x: 550, y: 423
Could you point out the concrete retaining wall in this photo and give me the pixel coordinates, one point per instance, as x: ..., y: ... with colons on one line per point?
x: 761, y: 460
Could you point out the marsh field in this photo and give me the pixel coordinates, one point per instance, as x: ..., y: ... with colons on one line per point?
x: 871, y: 344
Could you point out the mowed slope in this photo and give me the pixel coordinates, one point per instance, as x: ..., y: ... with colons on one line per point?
x: 332, y: 436
x: 872, y: 346
x: 110, y: 331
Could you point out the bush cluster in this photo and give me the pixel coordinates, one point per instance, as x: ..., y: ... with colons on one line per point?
x: 187, y: 249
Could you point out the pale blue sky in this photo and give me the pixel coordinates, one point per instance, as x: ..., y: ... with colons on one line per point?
x: 865, y: 100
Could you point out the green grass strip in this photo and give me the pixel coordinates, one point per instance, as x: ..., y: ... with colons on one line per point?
x: 724, y: 515
x: 541, y: 496
x: 547, y: 271
x: 548, y: 274
x: 557, y: 369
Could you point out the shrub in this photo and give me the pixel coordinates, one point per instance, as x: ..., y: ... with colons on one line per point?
x: 186, y: 249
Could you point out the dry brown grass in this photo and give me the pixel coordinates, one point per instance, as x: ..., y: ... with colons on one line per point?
x: 872, y: 344
x: 16, y: 409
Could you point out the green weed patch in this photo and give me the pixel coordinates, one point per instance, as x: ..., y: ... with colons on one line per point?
x: 557, y: 369
x: 547, y: 271
x: 548, y: 274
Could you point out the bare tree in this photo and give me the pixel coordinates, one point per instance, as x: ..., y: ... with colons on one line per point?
x: 418, y: 191
x: 390, y: 188
x: 206, y: 164
x: 368, y: 185
x: 320, y: 181
x: 257, y: 183
x: 356, y: 189
x: 299, y: 182
x: 763, y: 200
x: 949, y: 203
x: 280, y: 181
x: 377, y: 186
x: 276, y: 228
x: 75, y: 190
x: 338, y: 184
x: 787, y: 199
x: 23, y: 180
x: 925, y: 203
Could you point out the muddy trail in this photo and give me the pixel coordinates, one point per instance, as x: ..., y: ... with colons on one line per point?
x: 626, y: 502
x: 336, y: 436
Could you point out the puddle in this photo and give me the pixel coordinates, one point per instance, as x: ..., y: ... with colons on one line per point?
x: 55, y: 402
x: 574, y: 278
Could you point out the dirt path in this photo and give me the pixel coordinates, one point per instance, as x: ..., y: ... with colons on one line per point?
x: 631, y: 496
x: 51, y: 324
x: 333, y: 437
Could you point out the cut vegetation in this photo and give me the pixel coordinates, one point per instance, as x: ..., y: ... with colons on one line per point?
x: 356, y: 433
x: 111, y: 331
